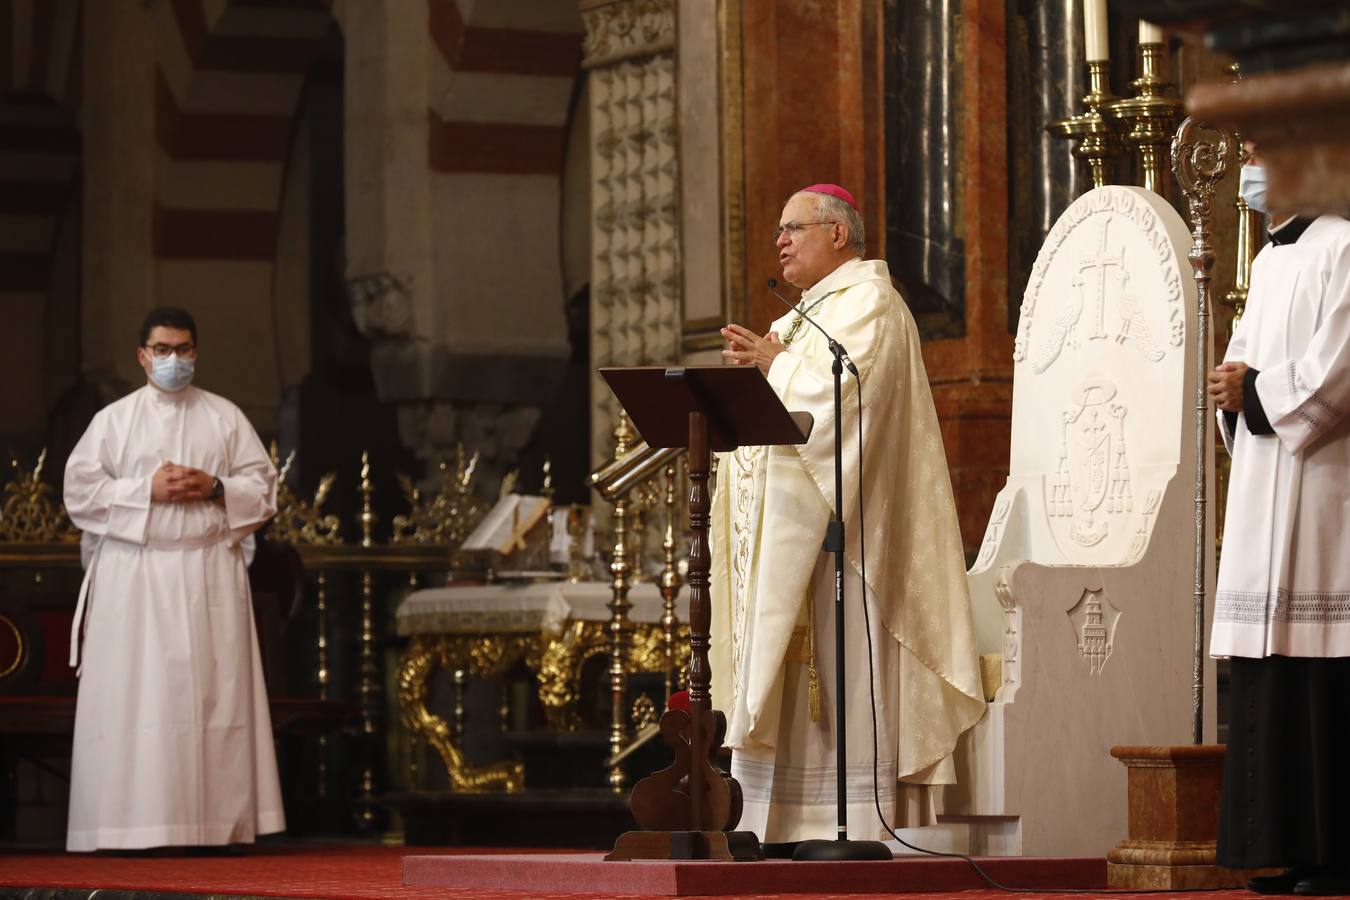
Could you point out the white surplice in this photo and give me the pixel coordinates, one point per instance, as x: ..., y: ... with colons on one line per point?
x: 1284, y: 578
x: 770, y: 576
x: 173, y: 738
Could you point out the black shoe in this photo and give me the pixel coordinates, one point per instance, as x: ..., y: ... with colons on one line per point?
x: 1285, y: 883
x: 1329, y: 882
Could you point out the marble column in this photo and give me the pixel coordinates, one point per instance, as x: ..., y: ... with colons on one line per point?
x: 387, y: 183
x: 971, y: 375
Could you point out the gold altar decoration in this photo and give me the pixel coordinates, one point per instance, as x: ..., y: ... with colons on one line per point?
x: 449, y: 516
x: 484, y: 656
x: 298, y: 521
x: 1149, y: 115
x: 36, y: 534
x: 560, y: 663
x: 1096, y: 133
x: 556, y: 662
x: 29, y: 514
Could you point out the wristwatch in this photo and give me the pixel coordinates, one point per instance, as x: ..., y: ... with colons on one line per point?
x: 217, y: 489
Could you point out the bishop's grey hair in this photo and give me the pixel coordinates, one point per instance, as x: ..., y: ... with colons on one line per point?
x: 830, y: 208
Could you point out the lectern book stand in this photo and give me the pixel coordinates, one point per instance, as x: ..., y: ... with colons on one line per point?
x: 690, y: 810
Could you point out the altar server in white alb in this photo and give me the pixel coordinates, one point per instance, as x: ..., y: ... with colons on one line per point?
x: 772, y: 587
x: 173, y: 741
x: 1282, y: 606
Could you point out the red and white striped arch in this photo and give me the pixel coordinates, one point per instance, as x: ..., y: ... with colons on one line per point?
x: 501, y: 86
x: 228, y: 86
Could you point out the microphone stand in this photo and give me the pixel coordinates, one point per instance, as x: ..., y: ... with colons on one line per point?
x: 841, y: 848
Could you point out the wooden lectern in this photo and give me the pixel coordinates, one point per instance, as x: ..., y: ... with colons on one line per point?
x: 690, y: 810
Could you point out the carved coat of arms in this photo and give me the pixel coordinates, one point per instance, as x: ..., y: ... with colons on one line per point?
x: 1092, y: 479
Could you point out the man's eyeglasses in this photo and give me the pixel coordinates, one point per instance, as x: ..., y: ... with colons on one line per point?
x: 792, y: 229
x: 164, y: 351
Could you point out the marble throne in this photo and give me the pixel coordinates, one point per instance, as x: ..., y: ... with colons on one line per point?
x: 1083, y: 585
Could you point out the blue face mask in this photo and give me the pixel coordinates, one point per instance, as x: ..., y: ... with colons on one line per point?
x: 1252, y: 187
x: 172, y: 372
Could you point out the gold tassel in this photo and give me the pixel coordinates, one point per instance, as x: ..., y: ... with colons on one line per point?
x: 813, y: 678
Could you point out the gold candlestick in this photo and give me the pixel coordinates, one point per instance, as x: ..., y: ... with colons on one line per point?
x: 1150, y: 115
x: 1096, y: 134
x: 368, y: 685
x: 1249, y: 242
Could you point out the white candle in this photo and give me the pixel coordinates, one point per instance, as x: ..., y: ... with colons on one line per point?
x: 1094, y: 29
x: 1149, y: 33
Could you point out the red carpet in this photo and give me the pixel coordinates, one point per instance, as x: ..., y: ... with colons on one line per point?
x: 358, y: 872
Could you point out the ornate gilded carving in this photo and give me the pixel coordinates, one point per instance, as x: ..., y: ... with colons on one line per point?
x: 424, y: 656
x: 450, y: 515
x: 559, y: 670
x: 29, y: 514
x: 645, y: 714
x: 298, y: 521
x: 558, y: 667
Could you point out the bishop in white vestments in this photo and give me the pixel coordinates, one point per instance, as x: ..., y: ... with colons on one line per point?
x: 772, y: 587
x: 1282, y: 605
x: 173, y: 739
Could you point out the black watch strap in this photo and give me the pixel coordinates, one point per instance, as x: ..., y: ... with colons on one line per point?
x: 217, y: 489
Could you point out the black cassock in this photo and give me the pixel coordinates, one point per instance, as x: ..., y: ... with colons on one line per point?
x: 1286, y: 782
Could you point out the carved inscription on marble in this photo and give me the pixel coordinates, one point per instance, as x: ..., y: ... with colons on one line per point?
x: 1094, y: 620
x: 1102, y: 300
x: 1101, y: 282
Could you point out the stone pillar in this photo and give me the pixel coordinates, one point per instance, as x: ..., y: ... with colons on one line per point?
x: 635, y: 234
x: 118, y: 112
x: 389, y: 268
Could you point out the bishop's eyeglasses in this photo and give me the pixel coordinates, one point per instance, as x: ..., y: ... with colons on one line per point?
x: 792, y: 229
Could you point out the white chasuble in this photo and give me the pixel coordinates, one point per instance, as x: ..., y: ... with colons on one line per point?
x: 772, y: 586
x: 1284, y: 578
x: 173, y: 739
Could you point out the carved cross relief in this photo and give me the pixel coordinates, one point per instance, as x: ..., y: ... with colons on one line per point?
x: 1101, y: 275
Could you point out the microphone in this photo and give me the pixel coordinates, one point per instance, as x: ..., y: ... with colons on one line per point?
x: 835, y: 346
